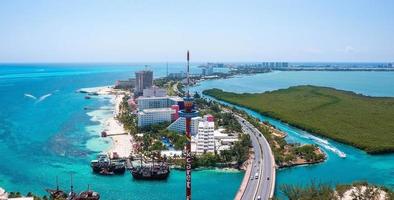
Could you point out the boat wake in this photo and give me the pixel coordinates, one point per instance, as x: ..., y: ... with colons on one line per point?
x: 322, y: 142
x: 335, y: 150
x: 38, y: 100
x: 42, y: 98
x: 30, y: 96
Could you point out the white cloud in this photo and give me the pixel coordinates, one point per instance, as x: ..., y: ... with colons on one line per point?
x: 349, y: 49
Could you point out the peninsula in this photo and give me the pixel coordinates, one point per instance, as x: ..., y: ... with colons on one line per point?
x: 361, y: 121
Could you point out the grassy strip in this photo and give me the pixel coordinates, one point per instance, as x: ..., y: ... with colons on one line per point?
x: 361, y: 121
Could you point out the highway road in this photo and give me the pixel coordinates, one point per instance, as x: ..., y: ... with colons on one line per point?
x: 263, y: 164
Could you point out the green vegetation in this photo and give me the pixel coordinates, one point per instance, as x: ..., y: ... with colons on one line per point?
x: 307, y: 152
x: 126, y: 117
x: 286, y: 155
x: 326, y: 192
x: 237, y: 155
x: 361, y: 121
x: 29, y: 194
x: 222, y: 119
x: 171, y: 85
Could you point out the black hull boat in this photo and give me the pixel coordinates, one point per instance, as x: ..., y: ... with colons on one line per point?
x: 104, y: 166
x: 88, y: 195
x: 154, y: 172
x: 60, y: 194
x: 149, y: 176
x: 56, y: 194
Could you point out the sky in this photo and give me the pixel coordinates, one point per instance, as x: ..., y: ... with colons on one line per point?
x: 213, y: 30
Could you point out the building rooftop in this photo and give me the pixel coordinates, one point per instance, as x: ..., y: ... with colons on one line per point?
x: 165, y: 97
x: 154, y: 110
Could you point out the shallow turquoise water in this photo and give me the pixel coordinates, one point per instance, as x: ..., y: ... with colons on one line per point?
x: 357, y: 165
x: 55, y: 136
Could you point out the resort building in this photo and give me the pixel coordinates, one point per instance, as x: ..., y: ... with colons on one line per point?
x: 125, y: 84
x: 154, y: 91
x: 152, y: 110
x: 143, y: 80
x: 179, y: 125
x: 158, y: 102
x: 205, y: 140
x: 153, y: 116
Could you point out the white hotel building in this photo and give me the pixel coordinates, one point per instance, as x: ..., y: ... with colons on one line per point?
x: 179, y: 125
x: 205, y: 139
x: 153, y: 110
x: 153, y: 116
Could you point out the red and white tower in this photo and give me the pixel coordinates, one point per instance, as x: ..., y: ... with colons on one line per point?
x: 188, y: 113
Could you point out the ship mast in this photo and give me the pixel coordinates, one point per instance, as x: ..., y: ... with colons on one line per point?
x: 57, y: 183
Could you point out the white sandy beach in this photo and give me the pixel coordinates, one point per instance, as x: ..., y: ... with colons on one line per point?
x: 122, y: 142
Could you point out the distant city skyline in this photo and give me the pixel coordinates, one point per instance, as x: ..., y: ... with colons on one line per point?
x: 214, y: 31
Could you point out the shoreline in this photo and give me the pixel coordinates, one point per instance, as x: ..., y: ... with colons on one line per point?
x: 121, y: 141
x: 310, y: 130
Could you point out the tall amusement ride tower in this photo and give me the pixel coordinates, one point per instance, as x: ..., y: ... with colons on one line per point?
x: 188, y: 113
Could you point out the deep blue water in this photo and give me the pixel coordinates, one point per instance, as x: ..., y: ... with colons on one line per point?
x: 45, y: 132
x: 358, y: 165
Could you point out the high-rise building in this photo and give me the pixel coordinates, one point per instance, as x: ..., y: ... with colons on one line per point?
x: 179, y: 125
x: 158, y: 102
x: 152, y: 110
x: 205, y: 137
x: 154, y: 91
x: 153, y: 116
x: 143, y: 80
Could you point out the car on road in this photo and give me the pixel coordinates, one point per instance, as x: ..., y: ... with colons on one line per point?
x: 256, y: 175
x: 258, y: 198
x: 268, y: 178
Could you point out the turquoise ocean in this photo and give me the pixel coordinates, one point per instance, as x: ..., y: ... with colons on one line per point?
x: 45, y: 131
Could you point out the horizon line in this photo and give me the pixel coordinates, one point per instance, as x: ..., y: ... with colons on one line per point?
x: 194, y: 62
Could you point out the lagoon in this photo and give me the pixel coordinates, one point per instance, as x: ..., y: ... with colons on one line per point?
x: 358, y: 165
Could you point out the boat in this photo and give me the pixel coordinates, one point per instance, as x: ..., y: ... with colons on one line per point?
x: 60, y: 194
x: 72, y: 195
x: 88, y: 97
x: 105, y: 171
x: 158, y: 171
x: 88, y: 195
x: 104, y: 166
x: 56, y: 193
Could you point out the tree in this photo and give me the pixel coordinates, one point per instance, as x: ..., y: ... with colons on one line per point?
x: 196, y: 95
